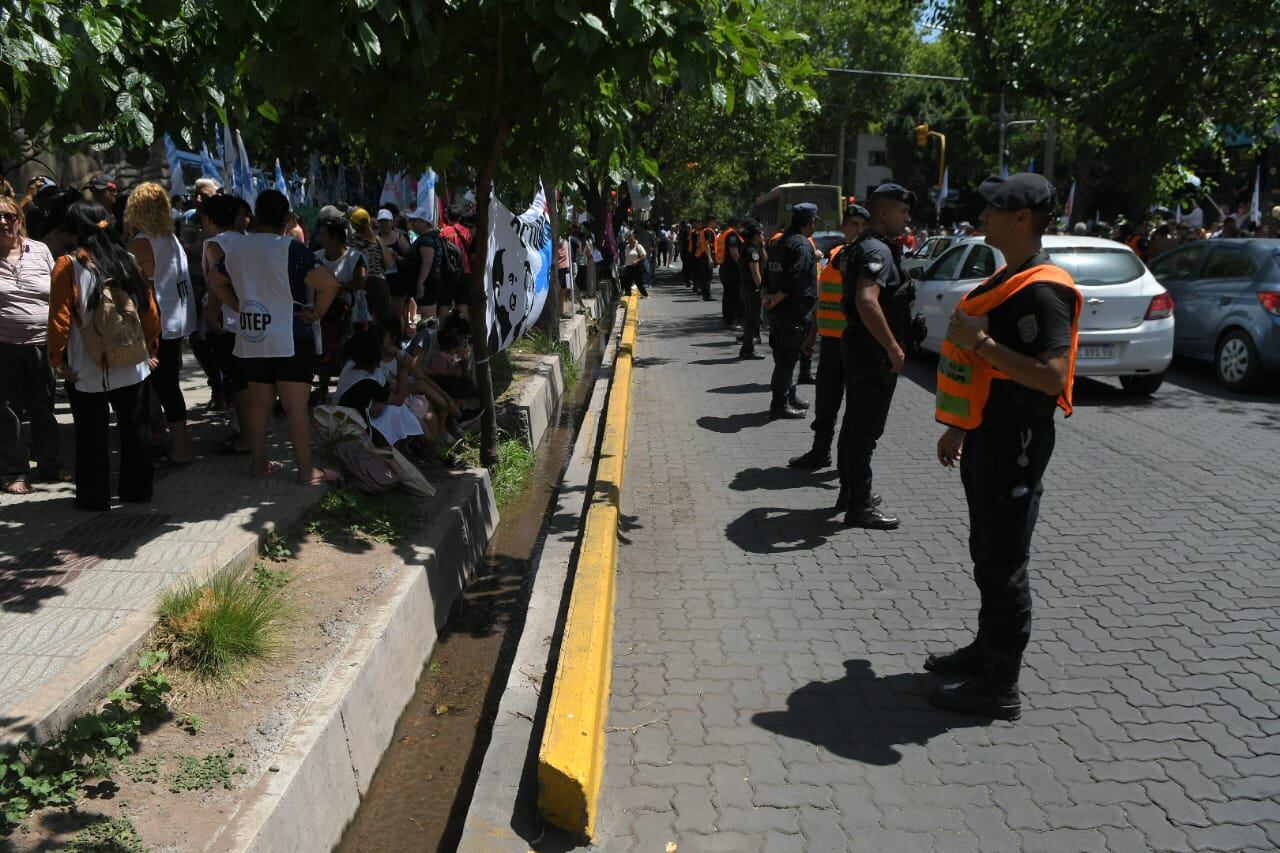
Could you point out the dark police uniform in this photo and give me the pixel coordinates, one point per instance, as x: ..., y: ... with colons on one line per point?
x: 731, y: 297
x: 750, y: 256
x: 869, y: 384
x: 1002, y: 464
x: 791, y: 271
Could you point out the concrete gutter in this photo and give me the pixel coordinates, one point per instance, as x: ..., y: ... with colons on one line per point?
x: 501, y: 815
x: 330, y: 756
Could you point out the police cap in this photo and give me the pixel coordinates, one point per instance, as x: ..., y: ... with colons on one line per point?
x: 804, y: 213
x: 894, y: 192
x: 1022, y: 191
x: 750, y: 229
x: 857, y: 210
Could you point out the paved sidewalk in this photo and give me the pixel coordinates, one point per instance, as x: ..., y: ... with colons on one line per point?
x: 767, y: 685
x: 68, y: 578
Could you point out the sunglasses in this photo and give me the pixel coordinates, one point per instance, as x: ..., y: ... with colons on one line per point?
x: 6, y: 216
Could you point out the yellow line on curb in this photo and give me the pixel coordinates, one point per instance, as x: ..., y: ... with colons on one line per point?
x: 571, y: 759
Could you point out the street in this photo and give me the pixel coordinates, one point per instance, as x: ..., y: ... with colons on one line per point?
x: 767, y: 685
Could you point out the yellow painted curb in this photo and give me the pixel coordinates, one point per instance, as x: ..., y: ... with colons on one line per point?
x: 571, y: 759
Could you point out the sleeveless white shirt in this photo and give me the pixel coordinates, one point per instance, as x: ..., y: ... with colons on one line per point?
x: 172, y: 282
x: 258, y: 266
x: 230, y: 319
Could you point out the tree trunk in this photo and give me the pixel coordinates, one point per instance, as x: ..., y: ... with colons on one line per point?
x: 550, y: 318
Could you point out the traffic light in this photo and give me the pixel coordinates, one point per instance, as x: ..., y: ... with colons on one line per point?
x: 922, y: 135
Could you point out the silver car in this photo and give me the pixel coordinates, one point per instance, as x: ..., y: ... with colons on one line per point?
x: 1228, y: 306
x: 1126, y: 326
x: 927, y: 252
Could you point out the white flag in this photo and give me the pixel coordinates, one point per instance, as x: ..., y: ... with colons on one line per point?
x: 517, y: 269
x: 390, y: 190
x: 944, y: 189
x: 1255, y: 206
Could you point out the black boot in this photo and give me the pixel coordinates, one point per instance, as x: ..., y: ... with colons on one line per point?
x: 871, y: 518
x: 993, y: 694
x: 966, y: 661
x: 749, y: 355
x: 796, y: 403
x: 785, y: 413
x: 812, y: 460
x: 842, y: 502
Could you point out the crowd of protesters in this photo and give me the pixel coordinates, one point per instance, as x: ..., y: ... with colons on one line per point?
x: 108, y: 291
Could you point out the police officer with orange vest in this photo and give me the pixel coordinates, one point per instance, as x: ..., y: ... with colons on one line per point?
x: 728, y: 252
x: 1006, y: 365
x: 705, y: 257
x: 876, y: 297
x: 828, y: 328
x: 791, y: 294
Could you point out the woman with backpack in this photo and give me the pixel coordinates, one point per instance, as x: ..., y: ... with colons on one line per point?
x: 148, y: 218
x: 104, y: 338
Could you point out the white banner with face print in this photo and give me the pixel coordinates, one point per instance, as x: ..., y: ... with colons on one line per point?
x: 517, y: 269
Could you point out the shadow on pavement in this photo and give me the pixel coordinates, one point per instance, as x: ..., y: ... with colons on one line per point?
x: 713, y: 361
x: 863, y: 716
x: 775, y: 530
x: 748, y: 388
x: 734, y: 423
x: 774, y: 479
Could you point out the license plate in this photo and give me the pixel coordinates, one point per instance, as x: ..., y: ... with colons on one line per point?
x: 1097, y: 351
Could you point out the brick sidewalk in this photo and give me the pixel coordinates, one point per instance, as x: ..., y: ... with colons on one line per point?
x: 770, y: 660
x: 68, y: 577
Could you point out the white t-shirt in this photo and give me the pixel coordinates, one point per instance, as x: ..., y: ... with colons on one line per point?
x: 89, y: 376
x: 172, y: 282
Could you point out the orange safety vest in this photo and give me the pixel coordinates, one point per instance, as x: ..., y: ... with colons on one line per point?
x: 703, y: 242
x: 722, y: 245
x: 831, y: 319
x: 964, y: 377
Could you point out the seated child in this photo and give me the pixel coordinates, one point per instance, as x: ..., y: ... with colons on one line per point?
x: 364, y: 385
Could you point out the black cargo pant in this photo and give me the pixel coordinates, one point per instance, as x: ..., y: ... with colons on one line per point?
x: 785, y: 339
x: 868, y: 393
x: 1004, y: 501
x: 750, y: 297
x: 827, y: 393
x: 702, y: 272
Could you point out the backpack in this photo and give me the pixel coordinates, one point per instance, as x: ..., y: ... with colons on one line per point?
x: 366, y: 468
x: 112, y: 334
x: 448, y: 267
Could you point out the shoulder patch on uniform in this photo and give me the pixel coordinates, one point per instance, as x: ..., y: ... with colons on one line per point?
x: 1028, y: 328
x: 875, y: 263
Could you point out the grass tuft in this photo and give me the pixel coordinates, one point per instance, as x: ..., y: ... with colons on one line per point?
x: 344, y: 511
x: 538, y: 341
x: 216, y: 629
x: 514, y: 469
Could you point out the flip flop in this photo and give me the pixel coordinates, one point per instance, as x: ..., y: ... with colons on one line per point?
x: 327, y: 475
x: 272, y: 468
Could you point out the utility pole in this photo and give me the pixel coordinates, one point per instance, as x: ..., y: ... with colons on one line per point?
x: 1051, y: 146
x: 840, y: 159
x: 1001, y: 123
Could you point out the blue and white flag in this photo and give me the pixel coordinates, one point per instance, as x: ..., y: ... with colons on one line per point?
x: 517, y: 269
x: 230, y: 168
x: 427, y: 194
x: 943, y: 190
x: 177, y: 186
x: 281, y: 184
x: 245, y: 174
x: 208, y: 169
x: 406, y: 189
x: 313, y: 180
x: 391, y: 190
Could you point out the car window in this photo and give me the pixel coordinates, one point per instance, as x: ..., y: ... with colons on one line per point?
x: 981, y: 263
x: 940, y: 245
x: 948, y: 265
x: 1093, y: 266
x: 1229, y: 262
x: 1178, y: 264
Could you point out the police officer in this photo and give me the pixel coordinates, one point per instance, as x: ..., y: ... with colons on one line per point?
x: 828, y: 327
x: 1006, y: 365
x: 792, y: 294
x: 705, y: 257
x: 751, y: 277
x: 730, y: 261
x: 685, y: 246
x: 876, y: 298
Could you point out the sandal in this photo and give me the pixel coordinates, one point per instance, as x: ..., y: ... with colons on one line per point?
x: 273, y: 467
x: 327, y: 475
x: 17, y: 486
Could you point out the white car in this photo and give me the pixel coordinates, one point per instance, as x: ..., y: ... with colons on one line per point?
x: 1126, y: 325
x: 925, y: 253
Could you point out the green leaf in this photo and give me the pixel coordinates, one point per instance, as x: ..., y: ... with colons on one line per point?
x: 104, y: 32
x: 369, y: 39
x: 45, y: 51
x: 268, y: 111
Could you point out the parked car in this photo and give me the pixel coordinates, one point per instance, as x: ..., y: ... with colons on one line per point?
x: 927, y: 252
x: 1126, y: 325
x: 1228, y: 306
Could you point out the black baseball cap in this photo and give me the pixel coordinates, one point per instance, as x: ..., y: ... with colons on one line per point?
x: 804, y: 212
x: 1021, y: 191
x: 895, y: 192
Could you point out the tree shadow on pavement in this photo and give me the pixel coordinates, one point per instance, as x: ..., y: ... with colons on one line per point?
x: 748, y: 388
x: 774, y: 479
x: 775, y: 530
x: 734, y: 423
x: 863, y: 716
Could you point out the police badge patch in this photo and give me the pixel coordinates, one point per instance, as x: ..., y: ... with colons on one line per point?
x: 874, y: 264
x: 1028, y: 329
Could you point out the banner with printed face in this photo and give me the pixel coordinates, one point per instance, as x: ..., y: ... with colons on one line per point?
x: 517, y: 269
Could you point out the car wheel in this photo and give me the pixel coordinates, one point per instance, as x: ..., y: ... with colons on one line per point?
x: 1143, y: 384
x: 1237, y: 363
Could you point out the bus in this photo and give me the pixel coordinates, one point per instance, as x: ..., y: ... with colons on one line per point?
x: 773, y: 209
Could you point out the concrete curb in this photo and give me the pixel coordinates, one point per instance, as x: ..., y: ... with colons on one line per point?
x: 533, y: 409
x: 79, y: 688
x: 571, y: 760
x: 499, y: 817
x: 574, y: 333
x: 334, y: 748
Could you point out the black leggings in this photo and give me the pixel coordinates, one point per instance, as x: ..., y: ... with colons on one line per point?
x: 165, y: 380
x: 90, y: 414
